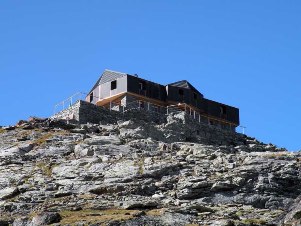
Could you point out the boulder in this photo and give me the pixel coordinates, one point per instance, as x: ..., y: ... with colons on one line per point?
x: 136, y: 204
x: 8, y: 193
x: 83, y: 150
x: 46, y: 218
x: 19, y: 150
x: 21, y: 221
x: 223, y: 186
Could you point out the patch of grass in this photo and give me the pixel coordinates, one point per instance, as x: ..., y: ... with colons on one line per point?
x: 5, y: 217
x: 96, y: 216
x: 87, y: 196
x: 277, y: 155
x: 239, y: 213
x: 2, y: 130
x: 41, y: 140
x: 44, y: 137
x: 46, y: 169
x: 254, y: 221
x: 140, y: 163
x: 155, y: 212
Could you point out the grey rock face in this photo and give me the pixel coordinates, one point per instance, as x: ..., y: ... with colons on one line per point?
x: 22, y: 221
x: 21, y: 150
x: 133, y: 170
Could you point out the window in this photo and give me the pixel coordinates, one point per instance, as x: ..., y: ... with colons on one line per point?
x: 181, y: 95
x: 113, y: 85
x: 181, y: 92
x: 195, y: 96
x: 223, y: 110
x: 91, y: 97
x: 142, y: 86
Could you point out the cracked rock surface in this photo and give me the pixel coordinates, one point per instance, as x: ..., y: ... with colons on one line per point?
x: 139, y: 171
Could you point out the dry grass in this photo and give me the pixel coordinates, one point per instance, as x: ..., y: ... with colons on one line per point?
x: 140, y: 164
x: 254, y: 221
x: 2, y: 130
x: 95, y: 216
x: 156, y: 212
x: 44, y: 137
x: 87, y: 196
x: 277, y: 155
x: 46, y: 169
x: 41, y: 140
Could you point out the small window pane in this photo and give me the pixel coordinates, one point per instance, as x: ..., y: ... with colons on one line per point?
x: 195, y: 96
x: 113, y: 85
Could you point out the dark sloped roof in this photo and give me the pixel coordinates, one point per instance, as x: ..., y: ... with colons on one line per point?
x: 107, y: 76
x: 184, y: 84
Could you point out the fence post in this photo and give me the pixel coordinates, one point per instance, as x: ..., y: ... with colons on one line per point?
x: 110, y: 105
x: 148, y: 106
x: 167, y: 109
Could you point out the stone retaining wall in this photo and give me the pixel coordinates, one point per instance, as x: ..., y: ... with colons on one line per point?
x: 180, y: 123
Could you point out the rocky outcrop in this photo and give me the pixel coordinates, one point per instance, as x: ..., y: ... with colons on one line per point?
x: 139, y: 171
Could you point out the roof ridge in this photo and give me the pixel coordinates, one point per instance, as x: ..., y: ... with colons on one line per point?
x: 115, y: 71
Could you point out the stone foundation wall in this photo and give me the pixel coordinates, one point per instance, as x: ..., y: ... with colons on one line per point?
x: 181, y: 125
x: 83, y: 112
x: 71, y: 113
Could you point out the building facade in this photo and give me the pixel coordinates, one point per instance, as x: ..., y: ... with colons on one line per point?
x: 118, y: 90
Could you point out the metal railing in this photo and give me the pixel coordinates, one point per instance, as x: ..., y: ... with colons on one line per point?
x: 68, y: 102
x: 140, y: 105
x: 182, y: 107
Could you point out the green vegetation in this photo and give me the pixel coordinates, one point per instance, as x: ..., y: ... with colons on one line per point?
x: 254, y: 222
x: 239, y: 213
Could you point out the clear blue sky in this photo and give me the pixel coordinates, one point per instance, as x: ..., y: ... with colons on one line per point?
x: 243, y: 53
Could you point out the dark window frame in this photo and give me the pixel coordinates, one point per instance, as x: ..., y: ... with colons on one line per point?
x: 223, y: 110
x: 195, y: 96
x: 91, y: 97
x: 114, y: 85
x: 142, y: 85
x: 181, y: 95
x: 181, y: 92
